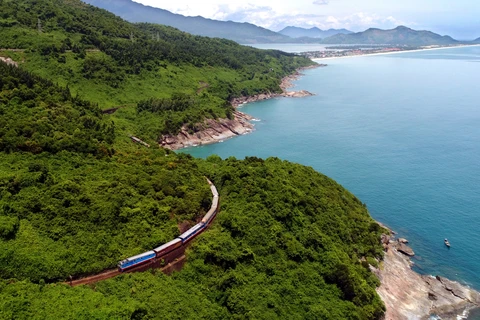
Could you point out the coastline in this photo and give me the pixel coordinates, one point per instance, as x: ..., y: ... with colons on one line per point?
x: 213, y: 131
x: 209, y: 131
x: 406, y: 293
x: 409, y: 295
x: 394, y: 52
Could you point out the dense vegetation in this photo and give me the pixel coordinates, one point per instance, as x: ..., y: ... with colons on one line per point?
x: 69, y: 214
x: 111, y: 62
x: 38, y: 116
x: 76, y: 195
x: 288, y: 241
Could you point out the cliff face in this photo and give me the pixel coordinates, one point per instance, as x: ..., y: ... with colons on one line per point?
x: 409, y: 295
x: 210, y: 131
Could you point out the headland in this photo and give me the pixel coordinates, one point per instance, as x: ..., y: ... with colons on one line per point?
x: 406, y: 294
x: 212, y: 131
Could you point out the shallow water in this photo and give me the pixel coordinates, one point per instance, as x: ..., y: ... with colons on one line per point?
x: 402, y: 132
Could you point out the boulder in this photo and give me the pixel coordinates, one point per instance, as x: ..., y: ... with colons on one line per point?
x: 385, y: 239
x: 402, y: 240
x: 403, y: 248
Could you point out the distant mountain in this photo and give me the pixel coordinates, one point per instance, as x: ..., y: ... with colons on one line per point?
x: 239, y: 32
x: 476, y: 40
x: 400, y: 36
x: 297, y: 32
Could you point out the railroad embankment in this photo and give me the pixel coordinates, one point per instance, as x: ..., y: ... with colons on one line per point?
x: 168, y: 257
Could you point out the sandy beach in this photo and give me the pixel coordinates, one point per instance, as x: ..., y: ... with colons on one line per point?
x: 394, y: 52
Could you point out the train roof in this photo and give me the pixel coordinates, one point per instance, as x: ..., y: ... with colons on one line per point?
x: 214, y: 190
x: 211, y: 211
x: 139, y: 256
x: 191, y: 230
x: 166, y: 245
x: 209, y: 214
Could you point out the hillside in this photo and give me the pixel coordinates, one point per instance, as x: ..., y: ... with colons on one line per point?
x: 77, y: 196
x: 314, y: 32
x: 287, y: 242
x: 111, y: 62
x: 399, y: 36
x: 239, y: 32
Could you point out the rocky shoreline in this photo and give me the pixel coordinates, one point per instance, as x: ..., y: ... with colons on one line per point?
x: 409, y: 295
x: 212, y: 131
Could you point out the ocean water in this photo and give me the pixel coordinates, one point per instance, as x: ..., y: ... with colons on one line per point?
x: 400, y: 131
x: 292, y: 47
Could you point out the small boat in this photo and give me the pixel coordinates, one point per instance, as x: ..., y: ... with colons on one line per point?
x: 446, y: 242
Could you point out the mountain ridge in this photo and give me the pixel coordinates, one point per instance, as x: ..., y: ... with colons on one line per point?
x: 236, y: 31
x: 248, y: 33
x: 314, y: 32
x: 400, y: 35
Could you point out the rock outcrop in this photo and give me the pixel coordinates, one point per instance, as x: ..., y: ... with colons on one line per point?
x: 210, y: 131
x: 403, y: 248
x: 409, y: 295
x: 9, y: 61
x: 236, y: 102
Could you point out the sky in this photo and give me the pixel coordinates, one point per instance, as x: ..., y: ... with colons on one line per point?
x: 457, y: 18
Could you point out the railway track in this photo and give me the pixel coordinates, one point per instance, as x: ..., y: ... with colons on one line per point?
x: 92, y: 279
x: 175, y: 265
x: 172, y: 261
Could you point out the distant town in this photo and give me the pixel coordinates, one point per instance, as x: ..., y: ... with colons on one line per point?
x: 358, y: 50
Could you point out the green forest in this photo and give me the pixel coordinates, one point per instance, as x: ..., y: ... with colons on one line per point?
x: 77, y: 196
x: 113, y: 63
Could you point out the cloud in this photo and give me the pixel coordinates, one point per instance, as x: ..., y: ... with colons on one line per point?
x: 264, y: 16
x: 243, y: 13
x: 267, y: 17
x: 360, y: 21
x: 321, y: 2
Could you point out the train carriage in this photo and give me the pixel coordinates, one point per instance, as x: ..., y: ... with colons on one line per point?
x: 215, y: 202
x: 136, y: 260
x: 192, y: 232
x: 214, y: 190
x: 209, y: 216
x: 168, y: 247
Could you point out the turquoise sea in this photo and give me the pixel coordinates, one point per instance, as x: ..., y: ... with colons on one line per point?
x: 400, y: 131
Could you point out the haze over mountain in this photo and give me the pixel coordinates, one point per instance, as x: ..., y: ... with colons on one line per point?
x: 297, y: 32
x: 460, y: 20
x: 239, y: 32
x: 401, y: 35
x: 248, y: 33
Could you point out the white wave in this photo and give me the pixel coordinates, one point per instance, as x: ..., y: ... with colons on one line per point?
x: 463, y: 316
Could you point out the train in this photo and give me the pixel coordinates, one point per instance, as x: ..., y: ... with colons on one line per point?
x: 181, y: 240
